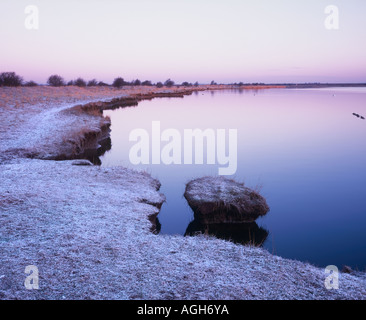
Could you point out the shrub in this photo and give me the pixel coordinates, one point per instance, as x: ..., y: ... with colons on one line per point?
x: 169, y: 83
x: 80, y: 82
x: 118, y: 82
x: 147, y: 83
x: 159, y: 85
x: 31, y: 84
x: 70, y: 83
x: 55, y: 81
x: 92, y: 83
x: 186, y: 84
x: 102, y: 84
x: 10, y: 79
x: 137, y: 82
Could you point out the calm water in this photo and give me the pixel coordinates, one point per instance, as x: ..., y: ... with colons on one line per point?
x: 304, y: 148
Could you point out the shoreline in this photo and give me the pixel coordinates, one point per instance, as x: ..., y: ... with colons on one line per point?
x: 93, y: 139
x: 88, y: 228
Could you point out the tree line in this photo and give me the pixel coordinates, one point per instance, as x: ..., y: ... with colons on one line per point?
x: 11, y: 79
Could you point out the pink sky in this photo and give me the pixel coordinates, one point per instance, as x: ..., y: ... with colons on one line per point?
x: 226, y: 41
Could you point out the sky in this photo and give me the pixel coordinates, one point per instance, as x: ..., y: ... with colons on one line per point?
x: 271, y: 41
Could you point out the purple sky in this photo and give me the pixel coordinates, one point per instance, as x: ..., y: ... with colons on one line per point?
x: 226, y: 41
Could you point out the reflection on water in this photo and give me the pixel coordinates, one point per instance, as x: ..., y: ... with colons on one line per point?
x: 304, y: 147
x: 94, y: 155
x: 243, y: 233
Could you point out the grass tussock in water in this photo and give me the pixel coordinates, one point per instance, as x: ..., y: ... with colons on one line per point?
x: 222, y: 200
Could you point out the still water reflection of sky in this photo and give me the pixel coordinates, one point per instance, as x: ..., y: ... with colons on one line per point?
x: 303, y: 147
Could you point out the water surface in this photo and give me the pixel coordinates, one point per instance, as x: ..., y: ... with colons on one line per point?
x: 304, y: 148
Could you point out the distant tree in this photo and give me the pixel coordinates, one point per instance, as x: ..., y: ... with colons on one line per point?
x: 92, y: 83
x: 102, y: 84
x: 56, y: 81
x: 159, y: 85
x: 240, y: 84
x: 213, y: 83
x: 70, y: 83
x: 137, y: 82
x: 31, y: 84
x: 80, y: 82
x: 146, y: 83
x: 196, y: 84
x: 118, y: 82
x: 169, y: 83
x: 186, y: 84
x: 10, y: 79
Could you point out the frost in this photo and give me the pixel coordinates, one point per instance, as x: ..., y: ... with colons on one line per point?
x: 87, y: 228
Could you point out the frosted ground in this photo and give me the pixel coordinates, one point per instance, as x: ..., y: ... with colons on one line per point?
x: 87, y: 228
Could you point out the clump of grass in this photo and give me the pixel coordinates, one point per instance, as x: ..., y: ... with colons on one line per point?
x: 222, y: 200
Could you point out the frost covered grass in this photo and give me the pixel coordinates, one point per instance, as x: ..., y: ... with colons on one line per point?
x: 44, y: 122
x: 87, y: 229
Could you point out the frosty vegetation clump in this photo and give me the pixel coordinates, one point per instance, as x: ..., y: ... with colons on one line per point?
x: 223, y: 200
